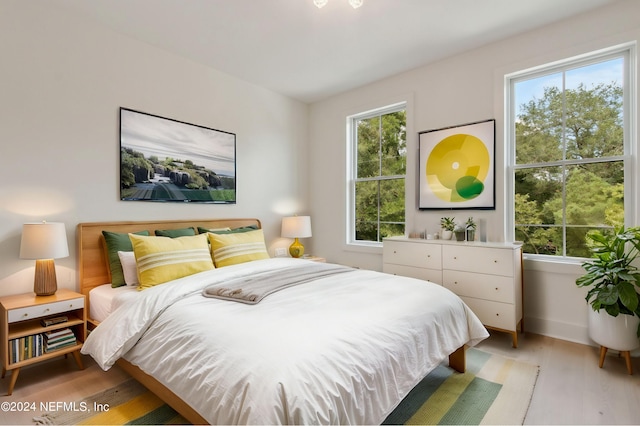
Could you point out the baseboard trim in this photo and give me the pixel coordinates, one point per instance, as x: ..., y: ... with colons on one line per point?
x: 558, y: 330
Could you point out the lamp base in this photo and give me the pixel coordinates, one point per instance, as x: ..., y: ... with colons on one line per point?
x: 296, y: 249
x: 44, y: 283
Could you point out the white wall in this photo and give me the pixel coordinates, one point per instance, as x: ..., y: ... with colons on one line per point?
x: 62, y: 80
x: 462, y: 89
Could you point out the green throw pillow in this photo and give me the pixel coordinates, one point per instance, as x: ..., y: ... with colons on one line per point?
x: 174, y: 233
x: 115, y: 242
x: 249, y: 228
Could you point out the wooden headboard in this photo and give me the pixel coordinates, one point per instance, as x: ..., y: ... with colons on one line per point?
x: 93, y: 267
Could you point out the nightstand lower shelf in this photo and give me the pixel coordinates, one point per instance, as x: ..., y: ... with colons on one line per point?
x: 15, y: 367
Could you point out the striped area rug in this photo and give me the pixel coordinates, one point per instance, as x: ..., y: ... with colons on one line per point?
x: 129, y: 403
x: 494, y: 390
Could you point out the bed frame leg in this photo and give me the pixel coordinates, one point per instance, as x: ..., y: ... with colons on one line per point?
x: 457, y: 360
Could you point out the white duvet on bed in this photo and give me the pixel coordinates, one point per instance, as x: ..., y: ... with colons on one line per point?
x: 342, y: 349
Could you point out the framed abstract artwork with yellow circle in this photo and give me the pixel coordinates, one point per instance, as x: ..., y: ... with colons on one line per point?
x: 457, y: 167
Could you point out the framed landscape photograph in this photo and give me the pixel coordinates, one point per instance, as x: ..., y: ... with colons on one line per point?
x: 457, y: 167
x: 167, y: 160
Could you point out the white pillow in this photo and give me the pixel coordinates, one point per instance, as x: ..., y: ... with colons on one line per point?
x: 129, y: 267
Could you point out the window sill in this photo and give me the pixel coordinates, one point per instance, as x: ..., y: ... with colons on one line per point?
x: 364, y: 247
x: 565, y: 266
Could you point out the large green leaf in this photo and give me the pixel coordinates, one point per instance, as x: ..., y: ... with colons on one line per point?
x: 628, y: 295
x: 608, y: 295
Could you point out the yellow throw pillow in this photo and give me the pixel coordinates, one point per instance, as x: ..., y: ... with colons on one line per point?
x: 162, y: 259
x: 230, y: 249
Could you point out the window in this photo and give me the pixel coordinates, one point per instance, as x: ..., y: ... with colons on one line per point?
x: 569, y: 131
x: 377, y: 168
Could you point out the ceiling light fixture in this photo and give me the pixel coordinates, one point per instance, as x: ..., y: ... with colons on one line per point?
x: 354, y: 3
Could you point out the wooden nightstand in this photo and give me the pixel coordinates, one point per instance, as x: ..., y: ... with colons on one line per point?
x: 21, y: 315
x: 313, y: 258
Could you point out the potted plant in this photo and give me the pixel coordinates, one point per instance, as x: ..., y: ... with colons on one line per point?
x: 459, y: 232
x: 613, y: 282
x: 470, y: 225
x: 448, y: 225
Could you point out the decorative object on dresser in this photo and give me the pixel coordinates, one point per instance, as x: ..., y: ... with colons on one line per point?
x: 487, y: 276
x: 613, y: 281
x: 459, y: 232
x: 470, y: 226
x: 44, y: 242
x: 25, y: 340
x: 296, y: 227
x: 448, y: 225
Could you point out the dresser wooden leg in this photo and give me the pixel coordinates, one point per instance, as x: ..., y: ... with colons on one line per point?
x: 514, y: 339
x: 603, y: 353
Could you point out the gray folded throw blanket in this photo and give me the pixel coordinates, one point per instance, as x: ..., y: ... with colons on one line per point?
x: 252, y: 289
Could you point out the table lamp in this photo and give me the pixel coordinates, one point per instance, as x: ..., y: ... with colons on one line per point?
x: 296, y: 227
x: 44, y: 242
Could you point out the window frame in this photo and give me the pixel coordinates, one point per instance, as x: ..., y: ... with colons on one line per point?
x: 629, y: 158
x: 352, y: 168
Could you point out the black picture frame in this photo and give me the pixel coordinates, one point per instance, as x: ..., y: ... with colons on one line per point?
x: 457, y: 167
x: 167, y: 160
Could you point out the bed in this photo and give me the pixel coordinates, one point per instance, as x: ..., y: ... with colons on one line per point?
x: 345, y: 346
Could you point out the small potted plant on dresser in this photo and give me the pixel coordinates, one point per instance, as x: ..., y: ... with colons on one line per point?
x: 448, y: 225
x: 613, y: 282
x: 459, y: 232
x: 470, y: 225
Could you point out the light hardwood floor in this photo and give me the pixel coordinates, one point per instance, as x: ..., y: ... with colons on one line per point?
x: 571, y: 389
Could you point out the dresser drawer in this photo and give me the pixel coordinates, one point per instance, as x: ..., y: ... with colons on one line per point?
x: 489, y: 261
x: 481, y: 286
x: 433, y: 275
x: 493, y: 314
x: 413, y: 254
x: 44, y: 310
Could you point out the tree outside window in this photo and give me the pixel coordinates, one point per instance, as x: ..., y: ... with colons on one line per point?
x: 378, y: 174
x: 569, y: 171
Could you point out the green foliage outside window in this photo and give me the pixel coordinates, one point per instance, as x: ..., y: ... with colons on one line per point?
x: 380, y: 176
x: 569, y: 176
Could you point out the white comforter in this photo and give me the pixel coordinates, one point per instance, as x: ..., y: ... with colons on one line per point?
x: 342, y: 349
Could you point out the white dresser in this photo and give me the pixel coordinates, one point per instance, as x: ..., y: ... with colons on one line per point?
x: 487, y: 276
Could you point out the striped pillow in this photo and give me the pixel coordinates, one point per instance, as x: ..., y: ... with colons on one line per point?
x: 231, y: 249
x: 162, y: 259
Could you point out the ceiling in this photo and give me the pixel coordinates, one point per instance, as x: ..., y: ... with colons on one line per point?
x: 294, y: 48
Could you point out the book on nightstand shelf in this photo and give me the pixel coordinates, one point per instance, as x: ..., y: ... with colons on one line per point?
x: 52, y: 321
x: 59, y: 339
x: 50, y: 335
x: 26, y: 347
